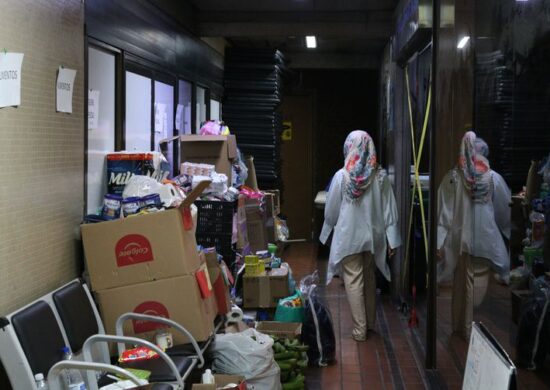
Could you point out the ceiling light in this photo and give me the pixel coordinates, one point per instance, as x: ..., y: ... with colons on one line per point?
x: 463, y: 41
x: 311, y: 42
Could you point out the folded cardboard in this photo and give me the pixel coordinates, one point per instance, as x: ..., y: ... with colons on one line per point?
x: 221, y: 381
x: 251, y: 180
x: 242, y: 231
x: 287, y: 330
x: 142, y: 248
x: 219, y: 286
x: 178, y: 299
x: 256, y: 227
x: 264, y: 291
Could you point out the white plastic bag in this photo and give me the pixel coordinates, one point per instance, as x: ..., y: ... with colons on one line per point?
x: 140, y: 186
x: 241, y: 354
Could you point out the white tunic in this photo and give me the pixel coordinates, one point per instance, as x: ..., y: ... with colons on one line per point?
x: 465, y: 226
x: 361, y: 225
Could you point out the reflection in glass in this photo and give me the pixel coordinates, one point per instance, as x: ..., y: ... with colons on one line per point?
x: 474, y: 219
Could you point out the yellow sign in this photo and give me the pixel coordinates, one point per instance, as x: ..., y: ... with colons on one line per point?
x: 287, y: 131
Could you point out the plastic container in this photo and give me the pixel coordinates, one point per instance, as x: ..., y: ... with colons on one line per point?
x: 40, y: 381
x: 150, y: 200
x: 111, y: 206
x: 73, y: 378
x: 207, y: 377
x: 131, y: 205
x: 215, y: 227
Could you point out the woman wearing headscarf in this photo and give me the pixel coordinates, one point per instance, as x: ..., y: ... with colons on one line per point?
x: 474, y: 218
x: 361, y: 211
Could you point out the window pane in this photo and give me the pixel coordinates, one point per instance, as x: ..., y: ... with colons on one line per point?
x: 201, y: 107
x: 215, y: 112
x: 138, y: 112
x: 183, y: 112
x: 101, y: 138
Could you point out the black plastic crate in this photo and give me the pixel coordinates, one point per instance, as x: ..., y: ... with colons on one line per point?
x: 222, y: 242
x: 215, y: 226
x: 215, y: 217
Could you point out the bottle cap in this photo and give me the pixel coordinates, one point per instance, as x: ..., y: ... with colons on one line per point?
x: 39, y: 377
x: 65, y: 350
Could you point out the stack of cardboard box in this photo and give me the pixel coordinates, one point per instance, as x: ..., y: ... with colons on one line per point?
x: 150, y: 264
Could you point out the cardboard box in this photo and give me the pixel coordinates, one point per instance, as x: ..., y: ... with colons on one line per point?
x: 287, y: 330
x: 221, y: 290
x: 141, y: 248
x: 217, y: 150
x: 222, y: 381
x: 264, y: 291
x: 178, y: 299
x: 256, y: 225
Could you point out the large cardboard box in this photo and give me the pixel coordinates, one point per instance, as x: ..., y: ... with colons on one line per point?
x: 218, y: 150
x: 221, y: 381
x: 264, y: 291
x: 141, y: 248
x: 178, y: 299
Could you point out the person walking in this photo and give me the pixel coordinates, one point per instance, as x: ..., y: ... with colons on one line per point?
x: 361, y: 213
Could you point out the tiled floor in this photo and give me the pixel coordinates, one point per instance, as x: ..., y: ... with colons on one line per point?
x: 385, y: 361
x: 390, y: 358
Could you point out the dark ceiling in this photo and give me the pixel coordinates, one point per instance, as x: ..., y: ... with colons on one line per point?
x: 350, y: 33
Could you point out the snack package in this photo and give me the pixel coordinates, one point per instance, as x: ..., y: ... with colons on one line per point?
x: 137, y: 354
x: 122, y: 166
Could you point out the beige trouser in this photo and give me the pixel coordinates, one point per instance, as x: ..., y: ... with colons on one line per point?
x: 463, y: 294
x: 360, y: 282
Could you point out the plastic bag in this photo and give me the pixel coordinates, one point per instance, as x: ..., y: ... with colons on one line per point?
x: 282, y: 229
x: 250, y: 354
x: 533, y: 340
x: 317, y: 329
x: 290, y: 309
x: 141, y: 186
x: 214, y: 128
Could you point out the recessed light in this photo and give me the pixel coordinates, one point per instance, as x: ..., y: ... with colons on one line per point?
x: 311, y: 42
x: 463, y: 42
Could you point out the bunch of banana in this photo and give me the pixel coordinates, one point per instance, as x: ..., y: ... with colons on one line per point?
x: 291, y: 356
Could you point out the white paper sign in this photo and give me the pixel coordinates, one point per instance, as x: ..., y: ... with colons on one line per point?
x: 179, y: 117
x: 160, y: 112
x: 10, y: 79
x: 64, y: 88
x: 93, y: 109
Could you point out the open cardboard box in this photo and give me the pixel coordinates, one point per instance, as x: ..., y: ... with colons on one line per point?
x: 218, y: 150
x: 222, y: 381
x: 142, y: 248
x: 287, y: 330
x: 221, y: 290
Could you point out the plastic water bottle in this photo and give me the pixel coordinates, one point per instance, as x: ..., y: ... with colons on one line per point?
x: 40, y: 381
x: 73, y: 378
x: 207, y: 377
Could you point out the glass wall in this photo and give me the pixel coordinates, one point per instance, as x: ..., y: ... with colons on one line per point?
x: 492, y: 137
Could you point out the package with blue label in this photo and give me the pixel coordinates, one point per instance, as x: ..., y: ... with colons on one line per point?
x: 121, y: 166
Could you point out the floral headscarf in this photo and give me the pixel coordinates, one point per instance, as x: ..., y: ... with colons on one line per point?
x: 360, y: 163
x: 474, y: 169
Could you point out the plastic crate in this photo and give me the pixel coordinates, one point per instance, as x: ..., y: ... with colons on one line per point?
x: 221, y: 242
x: 215, y: 227
x: 215, y: 217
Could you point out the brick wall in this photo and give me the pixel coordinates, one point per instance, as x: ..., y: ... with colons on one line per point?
x: 41, y: 152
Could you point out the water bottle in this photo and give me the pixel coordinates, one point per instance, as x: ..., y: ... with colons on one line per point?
x: 73, y: 378
x: 40, y: 381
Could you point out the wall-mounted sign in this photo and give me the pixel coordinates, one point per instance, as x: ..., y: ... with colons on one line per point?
x: 287, y: 131
x: 10, y: 79
x: 64, y: 89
